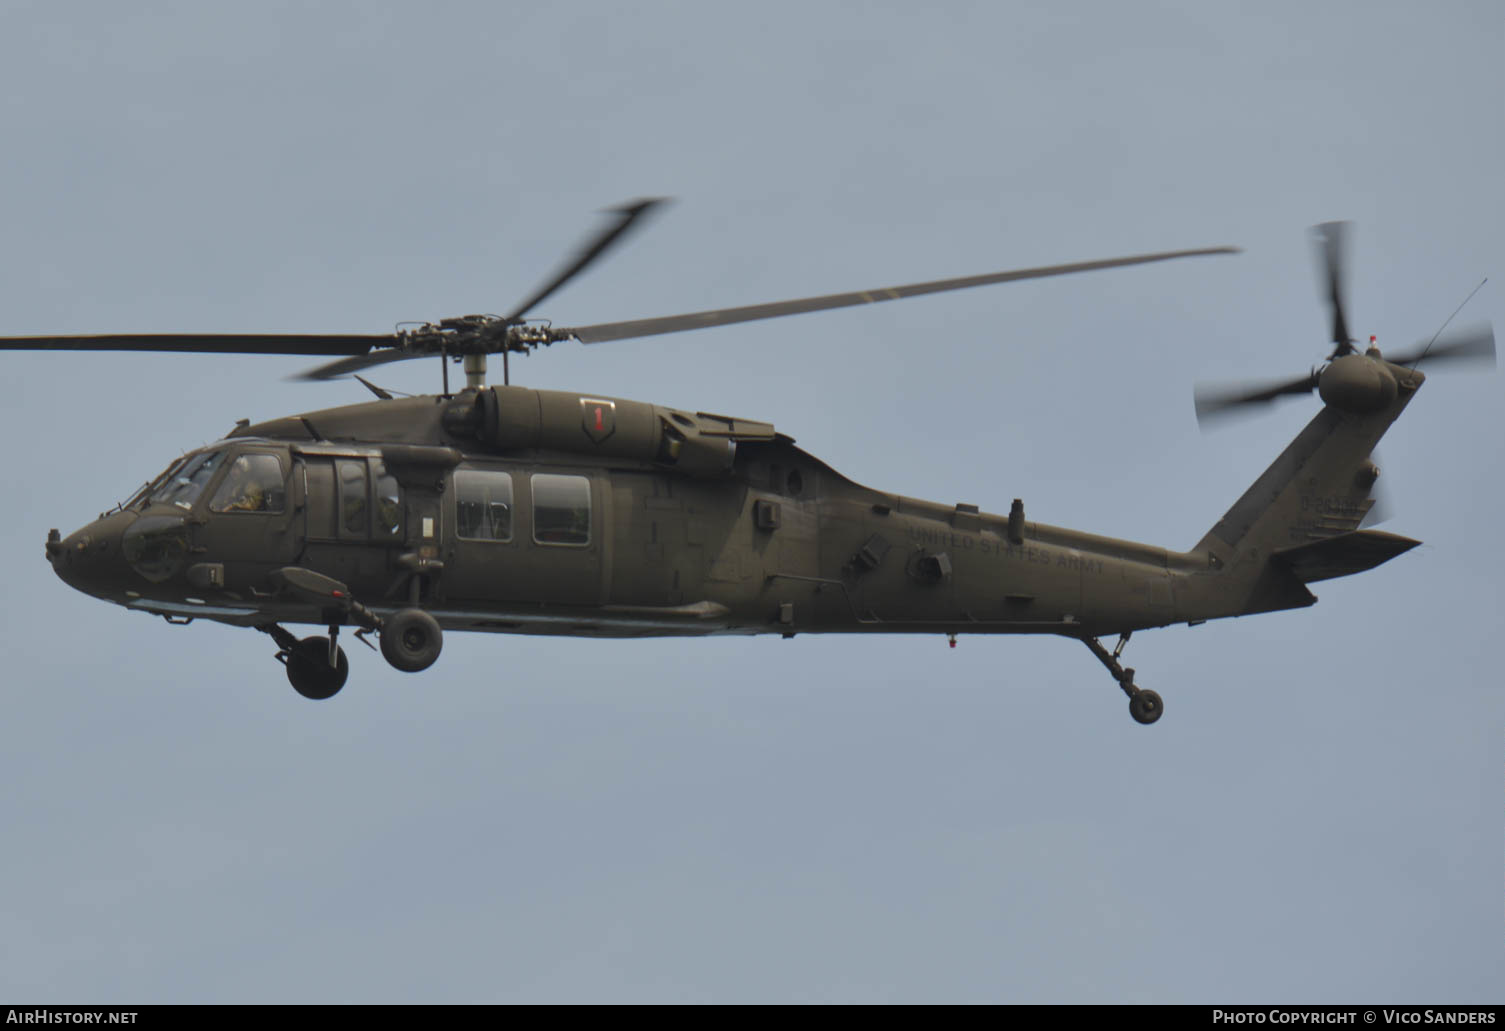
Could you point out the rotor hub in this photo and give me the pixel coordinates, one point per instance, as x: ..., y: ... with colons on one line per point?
x: 1358, y: 384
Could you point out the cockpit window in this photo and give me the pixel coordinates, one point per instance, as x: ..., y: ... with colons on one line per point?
x: 185, y: 483
x: 253, y: 484
x: 146, y: 489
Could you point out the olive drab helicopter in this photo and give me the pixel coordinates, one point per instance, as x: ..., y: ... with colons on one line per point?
x: 514, y: 510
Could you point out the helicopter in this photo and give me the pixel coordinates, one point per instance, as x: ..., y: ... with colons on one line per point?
x: 507, y: 509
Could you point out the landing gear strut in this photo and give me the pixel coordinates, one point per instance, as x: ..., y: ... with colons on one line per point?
x: 316, y: 666
x: 1144, y: 705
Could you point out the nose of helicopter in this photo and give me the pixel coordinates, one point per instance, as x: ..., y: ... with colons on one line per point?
x: 90, y: 559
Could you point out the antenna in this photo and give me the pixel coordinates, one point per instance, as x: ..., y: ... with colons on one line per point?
x: 1450, y: 318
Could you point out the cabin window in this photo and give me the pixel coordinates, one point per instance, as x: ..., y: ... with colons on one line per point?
x: 561, y: 509
x: 483, y: 505
x: 253, y: 484
x: 353, y: 508
x: 388, y: 505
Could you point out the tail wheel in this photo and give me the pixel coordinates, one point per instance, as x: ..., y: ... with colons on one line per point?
x: 1145, y: 706
x: 309, y: 671
x: 411, y: 640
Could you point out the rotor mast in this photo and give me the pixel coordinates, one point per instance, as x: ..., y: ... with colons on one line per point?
x: 475, y: 370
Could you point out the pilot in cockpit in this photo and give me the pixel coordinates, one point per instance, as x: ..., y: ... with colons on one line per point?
x: 242, y: 490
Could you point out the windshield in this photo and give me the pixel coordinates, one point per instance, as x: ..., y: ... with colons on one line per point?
x: 185, y: 481
x: 145, y: 490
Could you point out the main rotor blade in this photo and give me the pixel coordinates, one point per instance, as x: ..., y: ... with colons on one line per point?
x: 626, y: 216
x: 1216, y: 402
x: 356, y: 363
x: 604, y: 331
x: 1476, y: 343
x: 1332, y: 247
x: 215, y: 343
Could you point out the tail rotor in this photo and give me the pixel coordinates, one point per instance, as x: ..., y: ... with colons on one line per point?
x: 1341, y: 370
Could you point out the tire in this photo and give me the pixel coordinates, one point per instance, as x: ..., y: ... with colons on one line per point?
x: 1146, y: 706
x: 411, y: 640
x: 309, y: 672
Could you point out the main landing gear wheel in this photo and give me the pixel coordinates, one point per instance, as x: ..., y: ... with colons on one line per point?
x: 309, y: 671
x: 411, y: 640
x: 1145, y: 706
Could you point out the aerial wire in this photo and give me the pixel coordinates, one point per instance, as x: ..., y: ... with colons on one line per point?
x: 1450, y: 318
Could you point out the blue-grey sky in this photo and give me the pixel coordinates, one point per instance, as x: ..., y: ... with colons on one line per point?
x: 1319, y: 815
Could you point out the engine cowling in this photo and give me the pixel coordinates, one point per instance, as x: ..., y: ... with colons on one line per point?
x: 1357, y: 383
x: 522, y: 419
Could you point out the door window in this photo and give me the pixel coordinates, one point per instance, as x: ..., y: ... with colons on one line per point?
x: 388, y: 505
x: 483, y: 504
x: 354, y: 511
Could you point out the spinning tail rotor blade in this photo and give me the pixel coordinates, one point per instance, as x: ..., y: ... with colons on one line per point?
x: 1332, y: 254
x: 1474, y: 344
x: 1214, y: 403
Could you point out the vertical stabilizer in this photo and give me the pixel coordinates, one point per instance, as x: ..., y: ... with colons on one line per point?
x: 1318, y: 489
